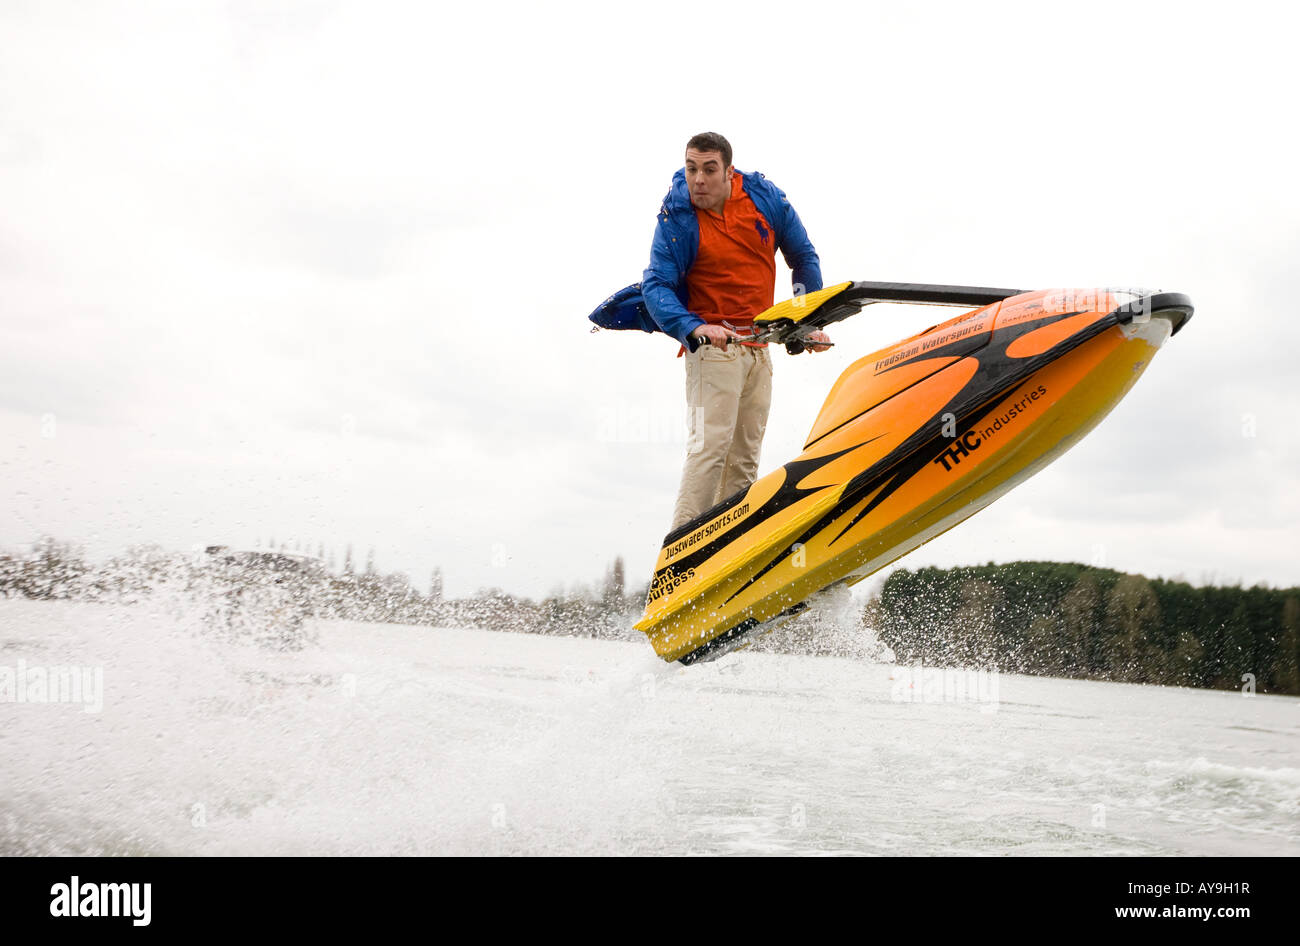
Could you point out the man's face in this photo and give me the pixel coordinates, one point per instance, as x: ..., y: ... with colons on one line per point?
x: 708, y: 180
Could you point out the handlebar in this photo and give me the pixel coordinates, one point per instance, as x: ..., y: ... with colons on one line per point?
x: 794, y: 346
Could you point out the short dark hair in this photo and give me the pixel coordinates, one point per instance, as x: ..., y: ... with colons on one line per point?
x: 711, y: 141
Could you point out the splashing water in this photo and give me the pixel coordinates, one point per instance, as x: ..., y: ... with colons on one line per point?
x: 401, y: 740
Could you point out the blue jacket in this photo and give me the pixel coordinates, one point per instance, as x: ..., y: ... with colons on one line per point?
x: 659, y: 301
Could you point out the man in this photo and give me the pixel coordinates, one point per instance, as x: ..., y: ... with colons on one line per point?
x: 712, y: 270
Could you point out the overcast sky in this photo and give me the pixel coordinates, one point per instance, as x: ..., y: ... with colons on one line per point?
x: 320, y: 271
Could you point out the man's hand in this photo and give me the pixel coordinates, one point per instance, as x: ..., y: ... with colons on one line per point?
x: 715, y: 335
x: 815, y: 341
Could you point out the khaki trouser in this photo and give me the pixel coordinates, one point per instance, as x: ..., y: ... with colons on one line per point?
x: 728, y: 394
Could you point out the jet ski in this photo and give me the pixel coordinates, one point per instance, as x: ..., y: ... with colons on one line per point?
x: 911, y: 440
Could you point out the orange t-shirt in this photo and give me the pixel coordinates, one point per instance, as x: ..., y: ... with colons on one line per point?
x: 734, y: 274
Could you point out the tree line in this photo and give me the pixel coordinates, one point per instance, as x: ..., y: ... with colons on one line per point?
x: 54, y: 570
x: 1069, y: 620
x: 1046, y: 618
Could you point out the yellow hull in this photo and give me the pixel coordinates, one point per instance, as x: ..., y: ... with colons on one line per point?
x: 878, y: 480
